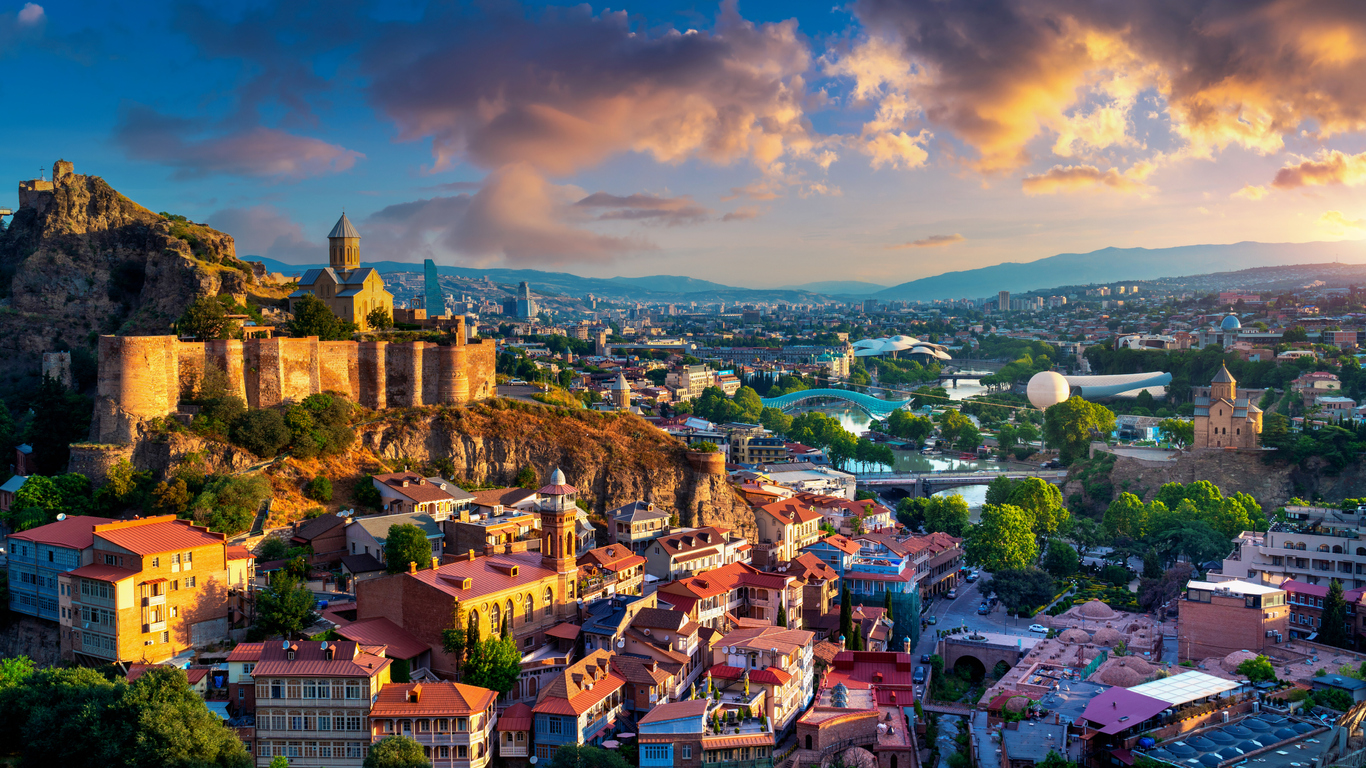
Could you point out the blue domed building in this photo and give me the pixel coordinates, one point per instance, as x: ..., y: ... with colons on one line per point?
x: 1230, y: 323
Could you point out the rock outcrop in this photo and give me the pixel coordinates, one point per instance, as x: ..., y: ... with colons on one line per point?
x: 79, y: 259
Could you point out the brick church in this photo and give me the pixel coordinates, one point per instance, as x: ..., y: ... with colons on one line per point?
x: 1225, y: 420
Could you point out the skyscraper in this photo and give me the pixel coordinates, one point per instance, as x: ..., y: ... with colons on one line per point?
x: 1003, y: 301
x: 433, y: 299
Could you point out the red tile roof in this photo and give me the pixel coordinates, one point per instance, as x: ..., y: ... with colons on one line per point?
x: 507, y: 497
x: 769, y: 636
x: 791, y: 511
x: 75, y: 532
x: 582, y: 685
x: 436, y: 699
x: 613, y: 557
x: 564, y: 631
x: 310, y: 660
x: 419, y: 488
x: 103, y: 573
x: 380, y: 631
x: 676, y: 710
x: 807, y: 565
x: 238, y: 553
x: 157, y: 534
x: 842, y: 543
x: 487, y: 574
x: 246, y: 652
x: 515, y: 718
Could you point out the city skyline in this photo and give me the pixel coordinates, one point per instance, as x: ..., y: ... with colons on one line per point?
x: 757, y: 145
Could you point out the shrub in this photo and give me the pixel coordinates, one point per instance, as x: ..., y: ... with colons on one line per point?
x: 367, y: 495
x: 263, y: 432
x: 319, y: 489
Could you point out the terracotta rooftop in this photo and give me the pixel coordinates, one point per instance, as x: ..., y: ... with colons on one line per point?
x: 612, y: 557
x: 310, y: 660
x: 515, y: 718
x: 769, y: 675
x: 842, y: 543
x: 308, y: 530
x: 640, y: 671
x: 238, y: 552
x: 419, y: 488
x: 380, y: 631
x: 437, y: 699
x: 75, y: 532
x: 691, y: 542
x: 764, y: 638
x: 157, y: 534
x: 581, y: 685
x: 103, y: 573
x: 246, y: 652
x: 808, y: 565
x: 488, y: 574
x: 676, y: 710
x: 791, y: 511
x: 507, y: 497
x: 660, y: 618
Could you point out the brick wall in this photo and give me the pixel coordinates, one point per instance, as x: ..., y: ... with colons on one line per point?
x: 299, y: 373
x: 373, y: 374
x: 860, y: 727
x: 95, y: 461
x: 1224, y: 625
x: 481, y: 357
x: 338, y: 368
x: 403, y: 363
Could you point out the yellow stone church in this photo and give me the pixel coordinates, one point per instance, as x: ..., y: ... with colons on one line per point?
x: 350, y: 290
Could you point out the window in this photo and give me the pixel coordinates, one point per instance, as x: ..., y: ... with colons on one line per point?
x: 324, y: 722
x: 296, y: 722
x: 263, y: 748
x: 352, y: 689
x: 462, y: 752
x: 462, y: 724
x: 549, y: 602
x: 277, y: 689
x: 156, y: 562
x: 113, y: 560
x: 175, y: 585
x: 310, y: 722
x: 353, y: 722
x: 165, y: 637
x: 310, y: 689
x: 188, y: 561
x: 556, y: 725
x: 277, y: 722
x: 293, y: 690
x: 687, y: 752
x: 189, y: 582
x: 654, y: 751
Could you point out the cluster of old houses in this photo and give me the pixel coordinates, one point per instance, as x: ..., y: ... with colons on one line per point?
x: 695, y: 633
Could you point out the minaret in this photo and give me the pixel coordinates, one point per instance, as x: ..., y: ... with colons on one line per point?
x: 343, y: 246
x: 1224, y: 386
x: 558, y: 513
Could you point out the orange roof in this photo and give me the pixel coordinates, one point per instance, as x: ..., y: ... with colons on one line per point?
x: 157, y: 534
x: 246, y: 652
x: 807, y: 564
x: 417, y: 488
x: 581, y: 685
x: 75, y: 532
x: 791, y: 511
x: 239, y: 553
x: 491, y: 573
x: 842, y: 543
x: 103, y: 573
x: 612, y: 557
x: 439, y: 699
x: 310, y: 660
x: 515, y: 718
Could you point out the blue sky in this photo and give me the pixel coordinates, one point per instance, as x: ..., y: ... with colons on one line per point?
x: 759, y: 144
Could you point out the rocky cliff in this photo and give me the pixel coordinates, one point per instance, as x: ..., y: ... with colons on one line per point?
x: 79, y: 259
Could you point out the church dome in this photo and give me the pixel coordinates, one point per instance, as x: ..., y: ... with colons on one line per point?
x: 1230, y: 323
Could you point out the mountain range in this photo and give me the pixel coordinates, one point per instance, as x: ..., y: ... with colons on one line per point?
x: 1107, y: 265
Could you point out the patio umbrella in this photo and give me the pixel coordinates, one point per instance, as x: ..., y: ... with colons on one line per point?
x: 626, y: 735
x: 611, y: 744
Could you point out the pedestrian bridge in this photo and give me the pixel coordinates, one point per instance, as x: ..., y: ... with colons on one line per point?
x: 873, y: 406
x: 926, y: 484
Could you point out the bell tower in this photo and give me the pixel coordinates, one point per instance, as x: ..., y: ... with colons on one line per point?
x: 1224, y: 386
x: 343, y: 246
x: 558, y: 511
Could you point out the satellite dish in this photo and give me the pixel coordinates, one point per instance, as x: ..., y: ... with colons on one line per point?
x: 621, y: 642
x: 61, y: 517
x: 533, y: 759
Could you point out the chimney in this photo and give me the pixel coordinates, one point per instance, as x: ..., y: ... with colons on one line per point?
x: 412, y: 567
x: 471, y: 556
x: 436, y: 563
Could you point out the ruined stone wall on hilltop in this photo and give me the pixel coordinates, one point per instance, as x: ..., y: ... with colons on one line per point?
x: 1272, y: 484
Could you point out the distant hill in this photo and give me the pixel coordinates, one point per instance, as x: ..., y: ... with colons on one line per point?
x: 839, y: 288
x: 1109, y: 265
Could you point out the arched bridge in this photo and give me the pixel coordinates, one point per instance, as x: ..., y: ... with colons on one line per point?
x: 925, y: 484
x: 873, y: 406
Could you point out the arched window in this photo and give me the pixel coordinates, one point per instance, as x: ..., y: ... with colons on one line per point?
x: 1361, y: 550
x: 549, y: 602
x: 1323, y: 547
x: 1337, y: 550
x: 1290, y: 545
x: 1300, y: 546
x: 530, y: 608
x: 531, y: 685
x: 495, y: 617
x: 508, y: 615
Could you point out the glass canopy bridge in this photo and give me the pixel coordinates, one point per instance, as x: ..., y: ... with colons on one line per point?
x: 1089, y: 387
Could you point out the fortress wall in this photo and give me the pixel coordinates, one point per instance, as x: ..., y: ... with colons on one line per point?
x: 430, y: 373
x: 190, y: 356
x: 171, y: 357
x: 299, y: 369
x: 452, y: 383
x: 266, y: 369
x: 338, y: 369
x: 373, y: 374
x: 95, y: 461
x: 227, y: 355
x: 404, y: 366
x: 481, y: 357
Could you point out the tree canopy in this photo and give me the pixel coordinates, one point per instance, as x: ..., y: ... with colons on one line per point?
x: 285, y: 607
x: 396, y: 751
x: 1021, y: 588
x: 946, y: 514
x: 206, y: 319
x: 1333, y: 627
x: 1003, y: 540
x: 1071, y: 425
x: 1043, y: 502
x: 407, y: 544
x: 496, y: 665
x: 312, y: 317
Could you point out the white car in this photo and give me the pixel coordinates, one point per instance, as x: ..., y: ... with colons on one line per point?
x: 1038, y: 628
x: 953, y: 593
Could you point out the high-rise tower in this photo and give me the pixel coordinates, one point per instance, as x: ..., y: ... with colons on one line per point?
x: 343, y: 246
x: 434, y: 301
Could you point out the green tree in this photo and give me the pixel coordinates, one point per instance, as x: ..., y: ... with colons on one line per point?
x: 952, y: 426
x: 279, y: 761
x: 261, y: 431
x: 1333, y: 629
x: 406, y: 544
x: 1178, y: 432
x: 1021, y: 588
x: 379, y: 319
x: 396, y: 752
x: 1127, y: 516
x: 846, y: 614
x: 1003, y: 540
x: 285, y: 607
x: 1152, y: 565
x: 969, y: 439
x: 1084, y: 534
x: 887, y: 605
x: 474, y: 648
x: 1060, y: 559
x: 312, y: 317
x: 999, y: 490
x: 229, y: 504
x: 782, y: 615
x: 205, y: 319
x: 576, y: 756
x: 526, y: 478
x: 497, y: 664
x: 172, y: 497
x: 453, y: 638
x: 751, y: 406
x: 319, y: 489
x: 1258, y: 670
x: 1055, y: 760
x: 946, y: 514
x: 775, y: 421
x: 60, y: 418
x: 273, y: 548
x: 1043, y: 502
x: 1070, y: 426
x: 1294, y: 334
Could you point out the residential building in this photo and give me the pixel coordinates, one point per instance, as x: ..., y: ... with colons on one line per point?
x: 693, y: 550
x: 757, y: 449
x: 494, y: 501
x: 688, y: 381
x: 648, y: 683
x: 737, y: 590
x: 8, y: 489
x: 154, y: 588
x: 514, y: 731
x: 579, y: 705
x: 864, y: 700
x: 1315, y: 383
x: 672, y: 639
x: 409, y: 492
x: 241, y: 663
x: 811, y: 478
x: 610, y: 570
x: 935, y: 558
x: 820, y: 587
x: 533, y: 590
x: 837, y: 552
x: 326, y: 534
x: 454, y: 723
x: 786, y: 527
x: 313, y: 701
x: 637, y: 524
x: 679, y: 735
x: 605, y: 622
x: 37, y: 556
x: 367, y: 535
x: 849, y: 516
x: 1225, y: 420
x: 492, y: 532
x: 776, y: 661
x: 1220, y: 618
x: 1313, y: 546
x: 1306, y: 611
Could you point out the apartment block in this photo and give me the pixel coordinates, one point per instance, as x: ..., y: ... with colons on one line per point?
x: 154, y: 588
x: 453, y: 722
x: 637, y: 524
x: 313, y: 702
x: 39, y: 555
x: 1313, y: 546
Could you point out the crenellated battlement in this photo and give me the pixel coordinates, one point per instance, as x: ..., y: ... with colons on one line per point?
x: 145, y: 377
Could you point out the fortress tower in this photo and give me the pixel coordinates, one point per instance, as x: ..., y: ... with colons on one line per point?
x: 343, y: 246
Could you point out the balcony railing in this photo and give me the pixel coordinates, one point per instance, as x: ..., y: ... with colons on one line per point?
x: 154, y: 626
x: 154, y: 600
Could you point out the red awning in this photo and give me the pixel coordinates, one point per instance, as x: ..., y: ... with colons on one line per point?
x: 1123, y: 755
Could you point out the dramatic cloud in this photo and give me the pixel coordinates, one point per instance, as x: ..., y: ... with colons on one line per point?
x: 1327, y: 167
x: 671, y: 211
x: 744, y: 213
x: 264, y: 231
x: 1001, y: 74
x: 930, y: 242
x: 896, y: 149
x: 1338, y: 220
x: 1070, y: 178
x: 568, y: 89
x: 1251, y: 192
x: 144, y: 134
x: 517, y: 217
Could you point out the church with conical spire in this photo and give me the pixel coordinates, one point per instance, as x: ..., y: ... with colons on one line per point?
x: 1223, y: 419
x: 351, y: 291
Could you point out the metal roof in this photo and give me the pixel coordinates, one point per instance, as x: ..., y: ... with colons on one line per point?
x: 75, y: 532
x: 1186, y: 687
x: 343, y: 228
x: 157, y: 534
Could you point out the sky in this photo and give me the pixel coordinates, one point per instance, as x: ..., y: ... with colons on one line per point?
x: 759, y: 144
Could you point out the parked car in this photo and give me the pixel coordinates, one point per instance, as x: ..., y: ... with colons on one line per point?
x: 919, y: 676
x: 1038, y: 628
x: 933, y: 619
x: 983, y: 609
x: 953, y: 593
x: 924, y: 658
x: 971, y: 577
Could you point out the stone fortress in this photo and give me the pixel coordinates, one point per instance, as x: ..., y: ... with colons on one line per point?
x: 145, y: 377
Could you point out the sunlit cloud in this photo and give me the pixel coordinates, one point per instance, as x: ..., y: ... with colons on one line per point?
x: 1337, y: 220
x: 1325, y: 168
x: 1072, y: 178
x: 930, y: 242
x: 671, y: 211
x: 743, y: 213
x: 1251, y: 192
